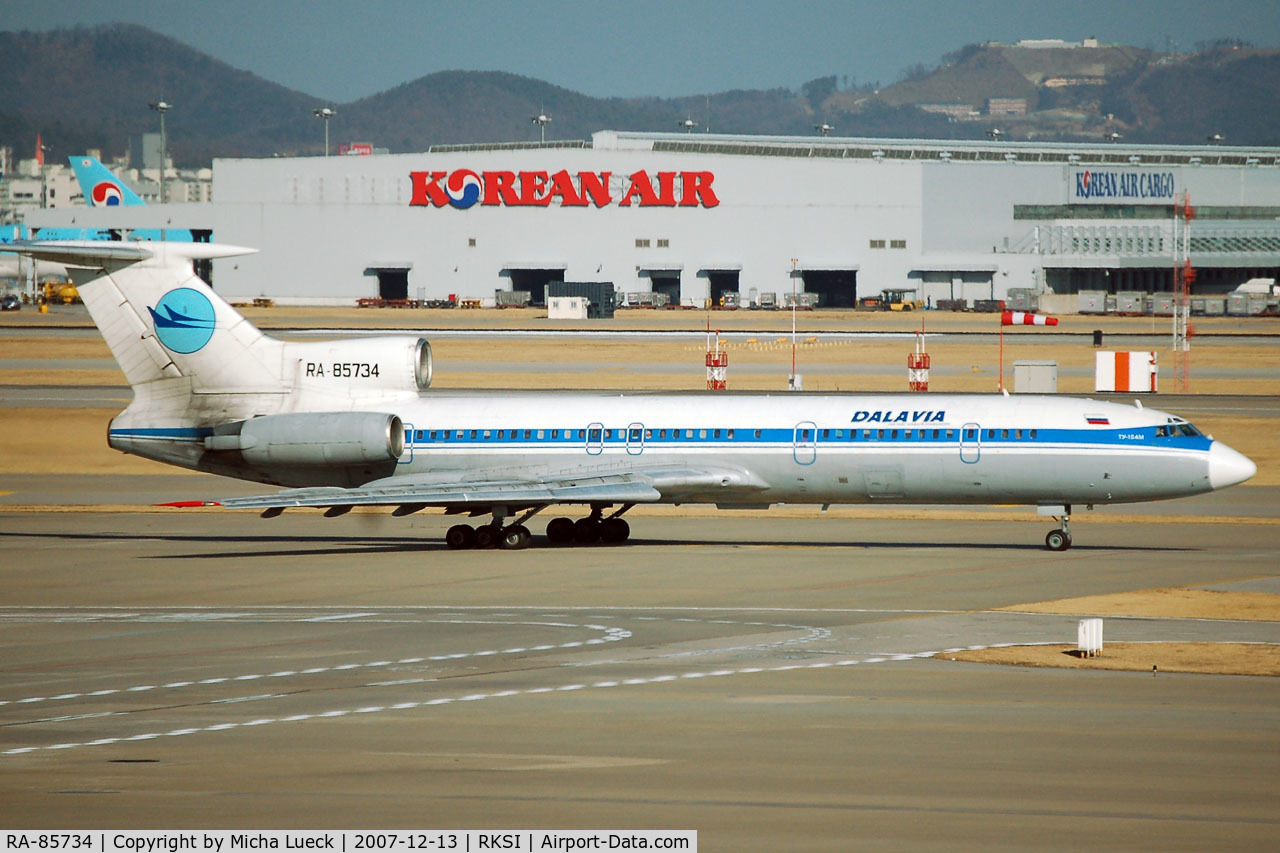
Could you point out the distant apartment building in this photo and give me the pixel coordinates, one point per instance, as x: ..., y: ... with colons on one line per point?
x: 1006, y: 106
x: 958, y: 112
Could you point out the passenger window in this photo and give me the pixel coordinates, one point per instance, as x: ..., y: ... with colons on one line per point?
x: 555, y: 433
x: 1019, y: 434
x: 894, y: 434
x: 502, y: 433
x: 730, y: 434
x: 633, y: 435
x: 951, y: 433
x: 935, y: 433
x: 908, y: 435
x: 582, y: 433
x: 473, y: 434
x: 608, y: 433
x: 971, y: 433
x: 759, y: 433
x: 662, y: 433
x: 1033, y: 433
x: 879, y: 433
x: 486, y: 434
x: 688, y: 433
x: 702, y: 433
x: 826, y: 433
x: 991, y: 433
x: 595, y: 434
x: 1004, y: 433
x: 528, y: 434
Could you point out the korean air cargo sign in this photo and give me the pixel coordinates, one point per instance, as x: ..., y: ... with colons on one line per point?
x: 1120, y: 186
x: 464, y: 188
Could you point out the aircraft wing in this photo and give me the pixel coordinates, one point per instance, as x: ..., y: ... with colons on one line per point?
x: 475, y: 496
x: 479, y: 494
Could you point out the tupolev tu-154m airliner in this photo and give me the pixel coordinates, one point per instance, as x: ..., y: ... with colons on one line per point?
x: 353, y: 423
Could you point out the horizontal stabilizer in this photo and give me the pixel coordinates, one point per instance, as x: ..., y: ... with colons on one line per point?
x: 96, y: 253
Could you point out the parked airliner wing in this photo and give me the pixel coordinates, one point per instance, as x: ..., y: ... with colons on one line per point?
x: 612, y: 488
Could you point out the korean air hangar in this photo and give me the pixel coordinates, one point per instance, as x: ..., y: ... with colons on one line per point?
x: 694, y: 217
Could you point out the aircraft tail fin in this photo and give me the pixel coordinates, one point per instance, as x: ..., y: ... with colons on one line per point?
x: 100, y: 186
x: 161, y: 321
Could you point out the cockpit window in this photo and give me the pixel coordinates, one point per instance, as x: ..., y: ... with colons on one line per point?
x: 1188, y: 430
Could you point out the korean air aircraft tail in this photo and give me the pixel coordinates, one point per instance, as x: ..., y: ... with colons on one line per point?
x: 100, y: 187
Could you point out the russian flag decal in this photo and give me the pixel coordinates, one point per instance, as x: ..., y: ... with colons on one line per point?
x: 1098, y: 420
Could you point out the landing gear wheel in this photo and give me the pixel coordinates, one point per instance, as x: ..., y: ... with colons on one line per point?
x: 560, y: 530
x: 488, y: 536
x: 586, y: 530
x: 460, y: 537
x: 1057, y: 540
x: 614, y: 530
x: 515, y: 537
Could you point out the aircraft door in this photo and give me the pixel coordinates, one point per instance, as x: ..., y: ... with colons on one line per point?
x: 407, y: 455
x: 804, y: 443
x: 635, y: 439
x: 595, y: 439
x: 970, y: 443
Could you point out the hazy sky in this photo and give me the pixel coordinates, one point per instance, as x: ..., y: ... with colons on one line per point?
x: 346, y: 49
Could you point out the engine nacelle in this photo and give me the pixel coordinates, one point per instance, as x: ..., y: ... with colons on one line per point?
x: 316, y: 438
x: 360, y: 365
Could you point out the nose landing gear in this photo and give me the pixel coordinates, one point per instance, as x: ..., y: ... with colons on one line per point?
x: 1060, y: 539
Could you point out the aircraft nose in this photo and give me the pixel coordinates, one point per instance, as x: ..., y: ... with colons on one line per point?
x: 1228, y: 467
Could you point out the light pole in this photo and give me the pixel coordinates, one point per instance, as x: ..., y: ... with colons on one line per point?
x: 162, y: 107
x: 325, y: 113
x: 44, y: 177
x: 542, y: 120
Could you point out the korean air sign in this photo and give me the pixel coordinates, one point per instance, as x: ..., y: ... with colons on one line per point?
x: 1120, y: 186
x: 464, y: 188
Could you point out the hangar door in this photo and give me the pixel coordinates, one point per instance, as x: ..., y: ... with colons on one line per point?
x: 535, y: 281
x: 666, y: 281
x: 722, y: 282
x: 835, y: 288
x: 393, y: 279
x: 975, y: 285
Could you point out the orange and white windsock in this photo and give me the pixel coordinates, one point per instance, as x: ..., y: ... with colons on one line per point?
x: 1021, y: 318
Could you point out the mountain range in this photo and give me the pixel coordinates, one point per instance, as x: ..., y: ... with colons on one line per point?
x: 89, y: 87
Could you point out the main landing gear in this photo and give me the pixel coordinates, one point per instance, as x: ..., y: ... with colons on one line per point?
x: 492, y: 535
x: 594, y: 528
x: 560, y: 531
x: 1060, y: 539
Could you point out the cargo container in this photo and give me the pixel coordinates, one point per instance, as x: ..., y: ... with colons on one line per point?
x: 1133, y: 302
x: 1022, y: 299
x: 1093, y: 302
